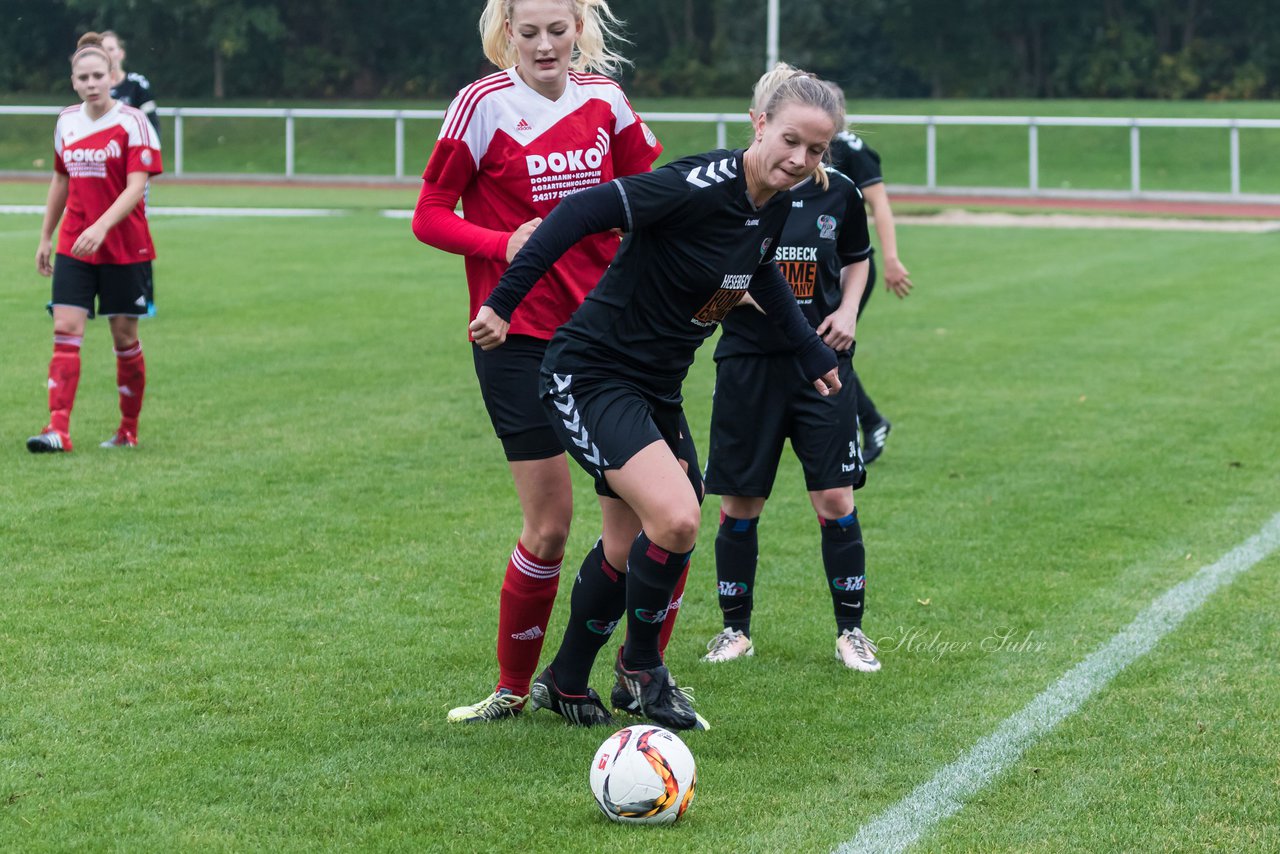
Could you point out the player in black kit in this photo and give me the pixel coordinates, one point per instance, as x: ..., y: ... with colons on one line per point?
x: 851, y: 155
x: 759, y: 405
x: 700, y: 234
x: 130, y: 89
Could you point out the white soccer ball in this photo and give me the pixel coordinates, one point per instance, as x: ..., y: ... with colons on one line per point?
x: 643, y: 774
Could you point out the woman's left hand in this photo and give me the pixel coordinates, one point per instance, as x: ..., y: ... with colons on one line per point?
x: 488, y: 330
x: 829, y: 383
x: 89, y: 241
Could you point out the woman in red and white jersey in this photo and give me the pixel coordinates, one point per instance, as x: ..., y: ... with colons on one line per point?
x: 513, y: 144
x: 104, y: 154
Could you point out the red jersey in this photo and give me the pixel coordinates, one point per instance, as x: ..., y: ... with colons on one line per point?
x: 511, y: 154
x: 98, y: 156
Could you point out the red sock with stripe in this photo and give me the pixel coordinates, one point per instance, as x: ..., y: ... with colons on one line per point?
x: 131, y: 379
x: 524, y: 608
x: 64, y: 378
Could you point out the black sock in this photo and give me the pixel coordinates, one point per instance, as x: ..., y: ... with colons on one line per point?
x: 737, y: 550
x: 845, y: 560
x: 595, y: 609
x: 652, y: 573
x: 868, y: 415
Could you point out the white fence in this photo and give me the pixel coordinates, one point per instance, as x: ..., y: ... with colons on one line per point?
x: 398, y: 118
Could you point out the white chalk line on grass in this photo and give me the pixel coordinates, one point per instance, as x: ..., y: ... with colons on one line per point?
x: 188, y: 211
x: 915, y: 815
x: 1109, y: 222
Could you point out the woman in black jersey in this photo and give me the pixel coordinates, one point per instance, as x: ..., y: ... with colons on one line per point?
x: 700, y: 234
x: 759, y: 405
x: 129, y: 88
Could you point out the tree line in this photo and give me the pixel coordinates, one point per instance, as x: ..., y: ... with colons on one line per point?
x: 1174, y: 49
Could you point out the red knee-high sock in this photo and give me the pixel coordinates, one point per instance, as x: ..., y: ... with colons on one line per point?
x: 528, y: 594
x: 64, y: 377
x: 673, y: 611
x: 131, y: 378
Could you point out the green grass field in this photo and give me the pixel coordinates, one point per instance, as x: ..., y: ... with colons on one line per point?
x: 1070, y: 158
x: 245, y: 635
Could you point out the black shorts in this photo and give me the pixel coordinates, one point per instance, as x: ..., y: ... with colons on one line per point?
x: 120, y: 289
x: 508, y: 378
x: 603, y: 423
x: 761, y: 401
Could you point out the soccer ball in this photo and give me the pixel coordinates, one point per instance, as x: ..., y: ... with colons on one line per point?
x: 643, y: 775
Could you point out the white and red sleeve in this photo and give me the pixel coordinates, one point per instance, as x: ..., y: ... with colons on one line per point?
x: 144, y: 143
x: 449, y: 171
x: 635, y: 146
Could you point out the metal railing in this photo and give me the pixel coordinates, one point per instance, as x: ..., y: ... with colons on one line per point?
x: 723, y: 120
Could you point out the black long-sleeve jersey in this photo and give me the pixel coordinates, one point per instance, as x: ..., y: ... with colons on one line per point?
x: 825, y: 232
x: 135, y: 91
x: 694, y: 244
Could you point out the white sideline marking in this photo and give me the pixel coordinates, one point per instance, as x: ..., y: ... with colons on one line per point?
x: 1098, y: 221
x: 395, y: 214
x: 186, y: 211
x: 915, y: 815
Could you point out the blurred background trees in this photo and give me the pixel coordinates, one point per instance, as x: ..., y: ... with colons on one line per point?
x: 1215, y: 49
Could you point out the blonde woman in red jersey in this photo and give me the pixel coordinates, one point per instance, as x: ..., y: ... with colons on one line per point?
x: 104, y: 154
x: 513, y: 144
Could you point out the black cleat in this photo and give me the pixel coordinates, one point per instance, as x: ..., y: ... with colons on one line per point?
x: 580, y: 710
x: 49, y: 442
x: 661, y: 699
x: 874, y: 436
x: 622, y: 701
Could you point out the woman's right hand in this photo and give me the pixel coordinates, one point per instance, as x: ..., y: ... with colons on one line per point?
x: 44, y: 258
x: 520, y: 237
x: 488, y: 330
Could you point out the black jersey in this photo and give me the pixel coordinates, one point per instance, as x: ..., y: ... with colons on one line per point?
x: 695, y: 244
x: 825, y: 232
x: 851, y: 155
x: 135, y: 91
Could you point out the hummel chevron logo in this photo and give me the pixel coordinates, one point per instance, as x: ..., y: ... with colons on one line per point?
x: 572, y: 426
x: 595, y: 457
x: 717, y: 173
x: 564, y: 404
x: 562, y: 381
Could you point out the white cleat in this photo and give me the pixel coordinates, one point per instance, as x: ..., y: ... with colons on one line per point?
x: 857, y: 651
x: 497, y: 706
x: 728, y: 645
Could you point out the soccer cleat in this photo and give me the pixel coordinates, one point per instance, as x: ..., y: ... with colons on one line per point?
x: 857, y: 651
x: 498, y: 705
x: 581, y: 710
x: 121, y: 439
x: 873, y: 438
x: 661, y: 699
x: 728, y: 645
x: 49, y: 442
x: 622, y: 701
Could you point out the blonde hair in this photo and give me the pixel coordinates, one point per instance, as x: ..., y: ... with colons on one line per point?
x: 91, y: 42
x: 591, y: 51
x: 786, y: 84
